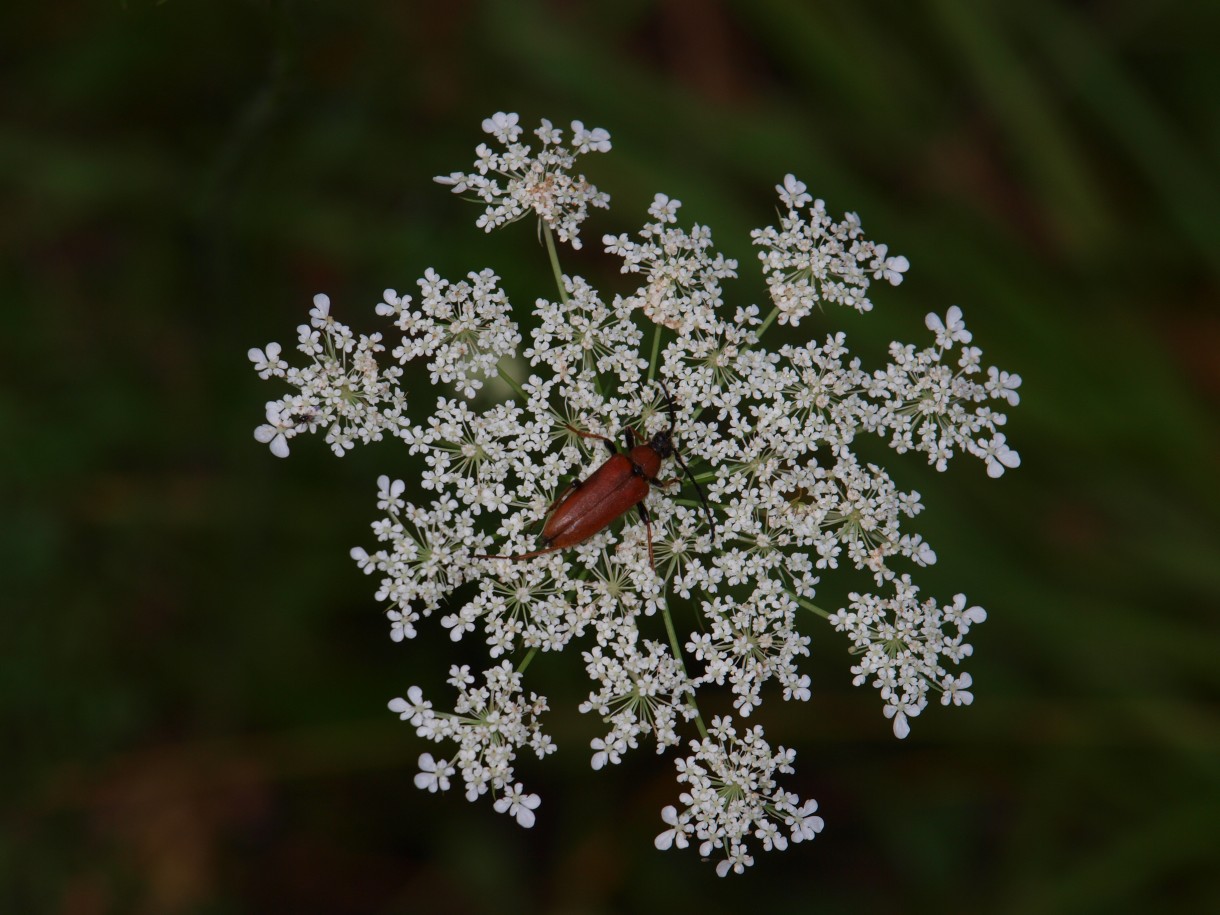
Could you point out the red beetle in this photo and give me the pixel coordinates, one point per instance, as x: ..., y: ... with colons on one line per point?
x: 591, y: 505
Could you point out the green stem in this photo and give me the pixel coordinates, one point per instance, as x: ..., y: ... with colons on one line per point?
x: 767, y: 322
x: 554, y: 256
x: 512, y: 383
x: 525, y: 662
x: 810, y: 605
x: 677, y: 650
x: 656, y: 349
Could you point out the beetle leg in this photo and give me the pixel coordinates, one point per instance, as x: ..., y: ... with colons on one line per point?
x: 609, y: 441
x: 648, y: 527
x: 531, y: 555
x: 655, y: 481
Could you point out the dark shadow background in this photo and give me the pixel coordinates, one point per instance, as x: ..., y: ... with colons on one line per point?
x: 194, y: 675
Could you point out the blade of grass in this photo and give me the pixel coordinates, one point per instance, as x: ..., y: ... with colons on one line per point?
x: 1021, y: 107
x: 1187, y: 189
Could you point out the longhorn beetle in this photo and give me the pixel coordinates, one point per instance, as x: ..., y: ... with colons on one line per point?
x: 591, y: 505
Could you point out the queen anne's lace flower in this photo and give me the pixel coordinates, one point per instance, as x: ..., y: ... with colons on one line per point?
x: 518, y: 180
x: 682, y: 272
x: 812, y: 259
x: 490, y: 723
x: 342, y: 391
x: 769, y: 435
x: 732, y: 798
x: 905, y: 645
x: 464, y: 328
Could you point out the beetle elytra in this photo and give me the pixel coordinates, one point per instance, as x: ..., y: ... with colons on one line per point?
x: 620, y: 484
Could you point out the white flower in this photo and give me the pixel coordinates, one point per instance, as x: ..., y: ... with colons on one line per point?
x: 957, y: 690
x: 805, y: 826
x: 950, y: 330
x: 595, y: 140
x: 502, y: 126
x: 489, y: 724
x: 676, y: 834
x: 904, y: 645
x: 343, y: 391
x: 364, y: 561
x: 541, y: 182
x: 732, y: 796
x: 414, y: 708
x: 662, y: 209
x: 276, y: 431
x: 709, y: 580
x: 890, y: 269
x: 792, y: 193
x: 518, y: 804
x: 902, y: 727
x: 681, y: 270
x: 464, y: 328
x: 319, y: 315
x: 811, y: 259
x: 433, y: 776
x: 268, y: 364
x: 997, y: 455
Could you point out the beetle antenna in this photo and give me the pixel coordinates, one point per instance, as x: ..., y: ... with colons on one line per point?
x: 669, y: 403
x: 711, y: 519
x: 673, y: 422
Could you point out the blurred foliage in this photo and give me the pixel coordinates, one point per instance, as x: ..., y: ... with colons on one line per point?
x: 194, y: 675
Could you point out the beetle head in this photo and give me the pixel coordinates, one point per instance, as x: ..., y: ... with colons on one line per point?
x: 662, y: 443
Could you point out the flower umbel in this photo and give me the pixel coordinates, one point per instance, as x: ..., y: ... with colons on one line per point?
x: 517, y: 180
x: 704, y: 575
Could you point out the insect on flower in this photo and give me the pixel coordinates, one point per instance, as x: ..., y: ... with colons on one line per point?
x: 591, y: 505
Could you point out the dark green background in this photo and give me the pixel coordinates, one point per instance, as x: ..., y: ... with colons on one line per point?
x: 194, y: 674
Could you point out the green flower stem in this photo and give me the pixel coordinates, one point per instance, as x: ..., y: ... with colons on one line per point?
x: 677, y: 650
x: 512, y: 383
x: 656, y: 349
x: 810, y: 605
x: 554, y: 255
x: 525, y: 662
x: 767, y: 322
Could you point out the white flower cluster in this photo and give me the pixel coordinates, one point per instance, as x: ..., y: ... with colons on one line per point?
x: 905, y: 646
x: 710, y: 578
x: 682, y: 270
x: 732, y: 797
x: 343, y: 391
x: 489, y: 724
x: 929, y: 407
x: 812, y: 259
x: 533, y: 182
x: 462, y: 327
